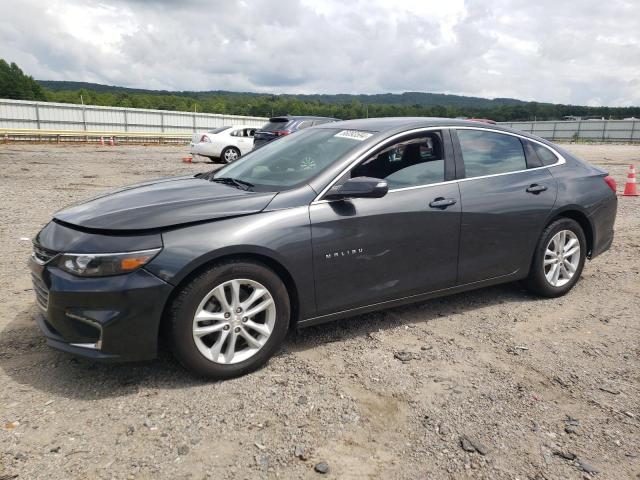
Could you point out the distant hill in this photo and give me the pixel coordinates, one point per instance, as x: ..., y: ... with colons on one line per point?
x: 414, y: 98
x: 407, y: 98
x: 344, y: 106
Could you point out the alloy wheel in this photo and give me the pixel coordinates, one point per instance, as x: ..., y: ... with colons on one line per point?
x: 230, y: 155
x: 234, y: 321
x: 561, y: 258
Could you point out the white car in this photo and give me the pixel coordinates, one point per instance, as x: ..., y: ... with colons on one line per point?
x: 226, y: 143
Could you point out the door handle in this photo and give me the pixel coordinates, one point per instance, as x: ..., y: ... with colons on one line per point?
x: 442, y: 203
x: 535, y: 188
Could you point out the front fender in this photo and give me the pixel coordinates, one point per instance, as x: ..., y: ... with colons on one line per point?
x: 282, y: 236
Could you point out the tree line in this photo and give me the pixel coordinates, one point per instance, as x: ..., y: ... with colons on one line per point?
x: 15, y: 84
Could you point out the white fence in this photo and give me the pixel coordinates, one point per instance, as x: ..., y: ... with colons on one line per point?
x: 31, y: 116
x: 593, y: 130
x: 20, y: 118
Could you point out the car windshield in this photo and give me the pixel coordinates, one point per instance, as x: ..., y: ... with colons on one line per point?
x: 275, y: 124
x: 218, y: 130
x: 292, y: 160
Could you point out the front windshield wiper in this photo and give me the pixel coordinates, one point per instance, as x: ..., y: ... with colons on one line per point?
x: 233, y: 181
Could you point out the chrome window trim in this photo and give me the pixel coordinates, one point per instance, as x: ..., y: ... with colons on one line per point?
x: 92, y: 346
x: 561, y: 159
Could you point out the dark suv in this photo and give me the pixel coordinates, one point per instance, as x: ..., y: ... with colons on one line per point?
x: 281, y: 126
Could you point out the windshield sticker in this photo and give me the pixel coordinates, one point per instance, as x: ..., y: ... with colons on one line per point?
x: 353, y: 135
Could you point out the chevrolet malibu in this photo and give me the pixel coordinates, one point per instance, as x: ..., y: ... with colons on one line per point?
x: 329, y: 222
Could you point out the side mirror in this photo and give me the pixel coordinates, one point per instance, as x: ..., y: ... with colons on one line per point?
x: 359, y: 187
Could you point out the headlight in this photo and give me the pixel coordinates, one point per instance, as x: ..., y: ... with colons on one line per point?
x: 104, y: 264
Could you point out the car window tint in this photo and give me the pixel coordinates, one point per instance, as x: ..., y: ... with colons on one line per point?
x: 276, y: 124
x: 410, y: 163
x: 489, y: 153
x: 546, y: 156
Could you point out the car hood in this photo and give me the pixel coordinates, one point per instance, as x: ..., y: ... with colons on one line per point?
x: 164, y: 203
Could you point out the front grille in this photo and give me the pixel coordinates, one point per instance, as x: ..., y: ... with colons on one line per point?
x: 42, y: 292
x: 42, y: 255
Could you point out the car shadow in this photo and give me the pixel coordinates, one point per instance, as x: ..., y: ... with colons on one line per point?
x: 26, y: 359
x: 419, y: 313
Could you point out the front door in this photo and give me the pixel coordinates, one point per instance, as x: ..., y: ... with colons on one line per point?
x: 368, y: 251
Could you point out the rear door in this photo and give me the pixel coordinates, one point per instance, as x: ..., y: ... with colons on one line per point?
x: 368, y: 250
x: 506, y: 200
x: 242, y: 140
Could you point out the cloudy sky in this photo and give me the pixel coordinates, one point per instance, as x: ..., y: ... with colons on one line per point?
x: 565, y: 51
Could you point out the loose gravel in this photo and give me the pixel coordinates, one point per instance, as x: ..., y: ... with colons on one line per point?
x: 490, y: 384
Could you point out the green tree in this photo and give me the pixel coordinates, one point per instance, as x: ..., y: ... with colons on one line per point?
x: 16, y: 85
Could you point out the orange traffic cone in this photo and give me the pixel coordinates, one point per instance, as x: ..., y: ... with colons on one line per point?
x: 631, y: 188
x: 111, y: 142
x: 102, y: 141
x: 187, y: 160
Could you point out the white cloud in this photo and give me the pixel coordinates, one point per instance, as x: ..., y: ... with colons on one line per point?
x: 585, y: 52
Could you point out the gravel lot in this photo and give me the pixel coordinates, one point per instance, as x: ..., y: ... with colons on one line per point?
x: 536, y: 389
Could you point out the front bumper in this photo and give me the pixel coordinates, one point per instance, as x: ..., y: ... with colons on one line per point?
x: 603, y: 219
x: 108, y: 318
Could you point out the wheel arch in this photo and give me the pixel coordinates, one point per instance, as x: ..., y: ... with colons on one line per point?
x: 252, y: 256
x: 580, y: 216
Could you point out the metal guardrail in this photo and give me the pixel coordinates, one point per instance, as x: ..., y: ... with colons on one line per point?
x: 124, y: 122
x: 589, y: 130
x: 58, y: 136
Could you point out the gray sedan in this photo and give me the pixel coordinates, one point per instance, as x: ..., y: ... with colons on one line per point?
x: 326, y: 223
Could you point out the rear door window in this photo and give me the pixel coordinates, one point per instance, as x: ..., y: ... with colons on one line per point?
x: 490, y: 153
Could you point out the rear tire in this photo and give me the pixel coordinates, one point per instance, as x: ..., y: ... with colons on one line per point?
x: 558, y: 259
x: 236, y: 344
x: 230, y: 154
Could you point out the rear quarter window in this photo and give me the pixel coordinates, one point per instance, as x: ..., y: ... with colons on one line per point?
x: 490, y: 153
x: 546, y: 156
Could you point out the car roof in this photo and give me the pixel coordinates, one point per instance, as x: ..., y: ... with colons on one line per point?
x: 399, y: 124
x: 383, y: 124
x: 300, y: 117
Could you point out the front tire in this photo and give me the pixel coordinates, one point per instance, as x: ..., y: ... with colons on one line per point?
x: 558, y: 259
x: 230, y: 154
x: 229, y: 320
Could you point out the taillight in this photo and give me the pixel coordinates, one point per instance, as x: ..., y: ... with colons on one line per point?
x: 204, y: 138
x: 282, y: 133
x: 611, y: 182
